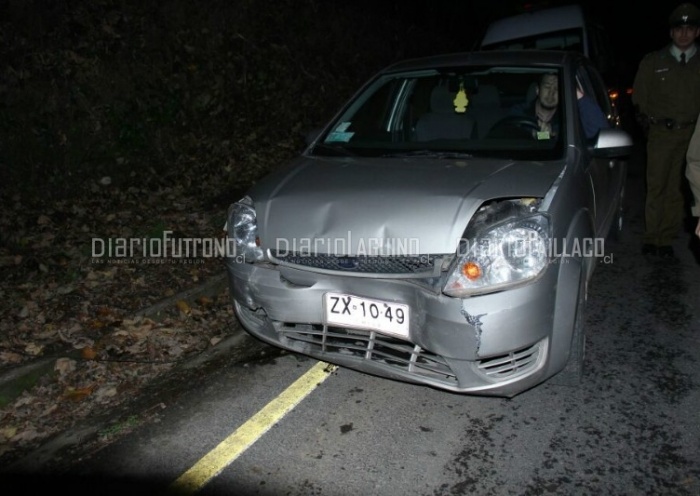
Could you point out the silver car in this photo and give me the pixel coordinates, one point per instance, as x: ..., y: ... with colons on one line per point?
x: 435, y: 233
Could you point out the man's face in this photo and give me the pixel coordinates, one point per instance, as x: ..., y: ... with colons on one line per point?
x: 684, y: 36
x: 548, y: 94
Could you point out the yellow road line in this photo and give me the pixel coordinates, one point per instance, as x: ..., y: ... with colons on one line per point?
x: 242, y: 438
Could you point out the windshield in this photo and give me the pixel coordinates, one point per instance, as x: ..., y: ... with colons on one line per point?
x: 476, y: 111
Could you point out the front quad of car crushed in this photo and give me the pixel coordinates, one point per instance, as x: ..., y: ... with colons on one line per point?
x: 419, y: 238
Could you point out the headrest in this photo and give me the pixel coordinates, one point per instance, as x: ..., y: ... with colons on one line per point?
x: 441, y: 100
x: 531, y: 92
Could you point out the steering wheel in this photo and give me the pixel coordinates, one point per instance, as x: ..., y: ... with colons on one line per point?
x: 515, y: 126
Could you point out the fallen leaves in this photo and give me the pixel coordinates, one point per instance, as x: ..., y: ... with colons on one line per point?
x: 10, y: 260
x: 78, y: 394
x: 24, y: 436
x: 43, y: 220
x: 33, y: 349
x: 64, y: 366
x: 58, y: 300
x: 88, y: 353
x: 205, y: 301
x: 8, y: 432
x: 183, y: 307
x: 10, y: 358
x: 106, y: 365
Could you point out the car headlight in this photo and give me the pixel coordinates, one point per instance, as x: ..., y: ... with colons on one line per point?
x: 509, y: 253
x: 242, y: 228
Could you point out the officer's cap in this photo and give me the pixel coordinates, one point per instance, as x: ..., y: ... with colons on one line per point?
x: 685, y: 13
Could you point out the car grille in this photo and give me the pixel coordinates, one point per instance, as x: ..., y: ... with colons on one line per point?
x: 396, y: 353
x: 422, y: 264
x: 367, y: 345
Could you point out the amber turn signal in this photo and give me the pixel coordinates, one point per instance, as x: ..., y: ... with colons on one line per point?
x: 471, y: 271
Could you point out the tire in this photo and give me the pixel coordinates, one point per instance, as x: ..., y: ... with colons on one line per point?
x: 572, y: 374
x: 617, y: 225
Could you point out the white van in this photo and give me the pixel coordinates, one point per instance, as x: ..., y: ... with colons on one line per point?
x: 566, y: 27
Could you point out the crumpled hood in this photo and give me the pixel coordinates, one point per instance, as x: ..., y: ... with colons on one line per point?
x: 385, y: 206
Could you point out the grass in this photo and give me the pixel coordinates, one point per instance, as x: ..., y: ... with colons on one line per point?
x: 119, y: 428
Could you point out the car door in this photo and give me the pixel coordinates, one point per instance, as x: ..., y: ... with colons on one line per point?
x: 606, y: 175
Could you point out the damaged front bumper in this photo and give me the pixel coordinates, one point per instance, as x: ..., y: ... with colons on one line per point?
x: 497, y: 344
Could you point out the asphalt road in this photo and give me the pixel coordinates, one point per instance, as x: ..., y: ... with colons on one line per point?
x: 631, y: 428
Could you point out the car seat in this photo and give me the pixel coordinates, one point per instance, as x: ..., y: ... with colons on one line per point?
x: 442, y: 121
x: 485, y: 107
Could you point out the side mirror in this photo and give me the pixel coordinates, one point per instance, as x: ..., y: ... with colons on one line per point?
x: 612, y: 143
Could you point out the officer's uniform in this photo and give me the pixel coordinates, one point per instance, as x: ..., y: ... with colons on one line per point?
x: 667, y: 94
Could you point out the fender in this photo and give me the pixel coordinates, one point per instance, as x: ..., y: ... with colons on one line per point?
x: 571, y: 269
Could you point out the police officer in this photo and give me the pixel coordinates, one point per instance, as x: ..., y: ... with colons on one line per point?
x: 666, y: 95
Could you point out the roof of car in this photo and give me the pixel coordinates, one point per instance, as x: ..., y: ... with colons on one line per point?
x: 490, y: 57
x: 534, y: 22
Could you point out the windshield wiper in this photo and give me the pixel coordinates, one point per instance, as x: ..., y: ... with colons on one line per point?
x: 430, y: 154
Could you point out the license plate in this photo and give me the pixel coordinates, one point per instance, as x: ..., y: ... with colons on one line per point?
x: 364, y: 313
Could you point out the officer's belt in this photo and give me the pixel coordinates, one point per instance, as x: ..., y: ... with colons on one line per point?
x: 671, y: 123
